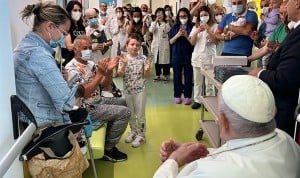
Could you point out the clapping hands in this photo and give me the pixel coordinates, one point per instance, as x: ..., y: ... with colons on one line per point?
x: 182, y: 153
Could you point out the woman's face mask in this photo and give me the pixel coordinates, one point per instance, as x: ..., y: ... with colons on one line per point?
x: 60, y: 42
x: 119, y: 15
x: 136, y: 19
x: 204, y: 19
x: 219, y: 18
x: 183, y: 21
x: 76, y: 15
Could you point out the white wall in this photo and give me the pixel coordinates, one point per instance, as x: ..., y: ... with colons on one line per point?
x: 18, y: 27
x: 7, y: 85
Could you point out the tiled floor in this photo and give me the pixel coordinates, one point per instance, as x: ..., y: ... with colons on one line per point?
x: 165, y: 120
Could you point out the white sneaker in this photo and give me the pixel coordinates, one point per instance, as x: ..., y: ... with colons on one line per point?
x: 138, y: 141
x: 130, y: 137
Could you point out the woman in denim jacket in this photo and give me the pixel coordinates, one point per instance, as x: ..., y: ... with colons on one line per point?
x: 39, y: 82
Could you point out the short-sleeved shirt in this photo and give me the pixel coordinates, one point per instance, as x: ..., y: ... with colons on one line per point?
x: 133, y: 79
x: 240, y: 45
x: 81, y: 73
x: 278, y: 34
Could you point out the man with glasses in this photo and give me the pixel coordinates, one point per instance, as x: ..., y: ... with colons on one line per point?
x: 103, y: 16
x: 239, y: 44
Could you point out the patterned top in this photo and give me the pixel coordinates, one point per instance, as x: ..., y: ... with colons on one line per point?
x: 81, y: 73
x: 133, y: 79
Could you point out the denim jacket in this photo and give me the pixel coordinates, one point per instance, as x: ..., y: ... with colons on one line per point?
x: 39, y: 82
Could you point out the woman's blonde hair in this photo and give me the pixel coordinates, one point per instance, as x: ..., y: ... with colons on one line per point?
x: 44, y: 12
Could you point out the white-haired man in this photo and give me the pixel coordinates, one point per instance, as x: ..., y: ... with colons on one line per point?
x: 252, y: 146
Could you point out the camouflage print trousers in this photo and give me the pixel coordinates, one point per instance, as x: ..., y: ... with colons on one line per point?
x: 116, y: 114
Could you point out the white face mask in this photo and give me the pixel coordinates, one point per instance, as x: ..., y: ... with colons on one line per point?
x: 144, y: 13
x: 136, y: 19
x: 76, y: 15
x: 119, y: 15
x: 219, y: 18
x: 183, y: 21
x: 86, y: 55
x: 168, y: 13
x: 204, y: 19
x: 125, y: 14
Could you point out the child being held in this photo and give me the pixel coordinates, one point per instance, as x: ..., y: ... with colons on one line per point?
x: 272, y: 17
x: 239, y: 23
x: 134, y: 67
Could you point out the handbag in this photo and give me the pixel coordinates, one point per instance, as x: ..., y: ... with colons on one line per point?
x: 70, y: 165
x: 54, y: 151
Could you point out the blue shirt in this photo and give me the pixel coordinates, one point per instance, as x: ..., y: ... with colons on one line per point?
x: 39, y: 82
x: 182, y: 49
x: 241, y: 45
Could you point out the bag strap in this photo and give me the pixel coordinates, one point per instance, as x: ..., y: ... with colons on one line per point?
x: 25, y: 156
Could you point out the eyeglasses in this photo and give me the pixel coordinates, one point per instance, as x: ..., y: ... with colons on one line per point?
x: 62, y: 30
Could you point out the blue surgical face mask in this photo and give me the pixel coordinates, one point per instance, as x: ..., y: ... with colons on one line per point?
x: 237, y: 9
x: 86, y: 55
x: 93, y: 22
x: 60, y: 42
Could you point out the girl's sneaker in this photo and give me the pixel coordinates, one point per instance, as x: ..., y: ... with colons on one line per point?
x: 130, y: 137
x: 138, y: 141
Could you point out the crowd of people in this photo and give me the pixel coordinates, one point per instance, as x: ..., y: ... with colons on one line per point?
x: 97, y: 46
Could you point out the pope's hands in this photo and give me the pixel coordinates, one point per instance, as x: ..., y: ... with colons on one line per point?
x: 188, y: 152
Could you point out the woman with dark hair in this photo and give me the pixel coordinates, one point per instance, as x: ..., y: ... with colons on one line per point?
x: 160, y: 46
x: 118, y: 32
x: 74, y: 8
x: 169, y: 15
x: 181, y: 56
x: 204, y: 42
x: 136, y: 25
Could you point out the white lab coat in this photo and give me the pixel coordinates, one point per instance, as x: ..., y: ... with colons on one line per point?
x: 119, y: 35
x: 160, y: 44
x: 278, y: 157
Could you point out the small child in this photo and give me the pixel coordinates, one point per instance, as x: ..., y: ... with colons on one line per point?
x: 134, y: 68
x: 239, y: 23
x: 272, y: 17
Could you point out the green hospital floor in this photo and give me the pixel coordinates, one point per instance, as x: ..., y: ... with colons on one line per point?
x: 165, y: 120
